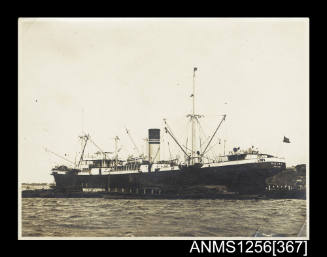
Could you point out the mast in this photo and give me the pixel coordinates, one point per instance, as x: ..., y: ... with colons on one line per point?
x: 85, y: 137
x: 194, y: 118
x: 193, y: 115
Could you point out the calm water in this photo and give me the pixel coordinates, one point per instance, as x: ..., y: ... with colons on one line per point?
x: 133, y: 218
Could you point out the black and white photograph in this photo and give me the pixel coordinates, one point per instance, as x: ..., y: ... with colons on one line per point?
x: 163, y: 128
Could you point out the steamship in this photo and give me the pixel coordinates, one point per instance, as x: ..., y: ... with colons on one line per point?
x: 242, y: 172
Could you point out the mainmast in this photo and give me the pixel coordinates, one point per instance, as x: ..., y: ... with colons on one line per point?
x: 193, y: 120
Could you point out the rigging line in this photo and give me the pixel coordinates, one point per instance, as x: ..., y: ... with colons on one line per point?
x: 169, y: 150
x: 206, y: 138
x: 156, y: 153
x: 186, y: 143
x: 131, y: 138
x: 203, y: 133
x: 200, y: 126
x: 212, y: 146
x: 180, y: 127
x: 47, y: 150
x: 210, y: 159
x: 97, y: 146
x: 170, y: 130
x: 167, y: 131
x: 186, y: 148
x: 224, y: 117
x: 86, y: 137
x: 162, y: 143
x: 187, y: 128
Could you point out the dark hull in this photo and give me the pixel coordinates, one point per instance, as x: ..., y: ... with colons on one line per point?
x: 244, y: 178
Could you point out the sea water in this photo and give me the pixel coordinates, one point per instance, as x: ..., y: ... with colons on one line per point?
x: 92, y: 217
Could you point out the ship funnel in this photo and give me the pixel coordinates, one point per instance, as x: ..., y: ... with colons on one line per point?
x: 154, y: 145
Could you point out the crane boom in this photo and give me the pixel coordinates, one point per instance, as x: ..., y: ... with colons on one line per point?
x: 205, y: 149
x: 167, y: 131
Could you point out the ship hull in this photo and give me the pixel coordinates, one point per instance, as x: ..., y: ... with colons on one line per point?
x: 245, y: 178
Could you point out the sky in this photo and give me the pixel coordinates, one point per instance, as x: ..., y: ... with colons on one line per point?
x: 101, y: 76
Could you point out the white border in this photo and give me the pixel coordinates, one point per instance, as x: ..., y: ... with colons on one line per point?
x: 20, y: 237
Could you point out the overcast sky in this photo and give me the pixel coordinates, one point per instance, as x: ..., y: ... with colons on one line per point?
x: 103, y: 75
